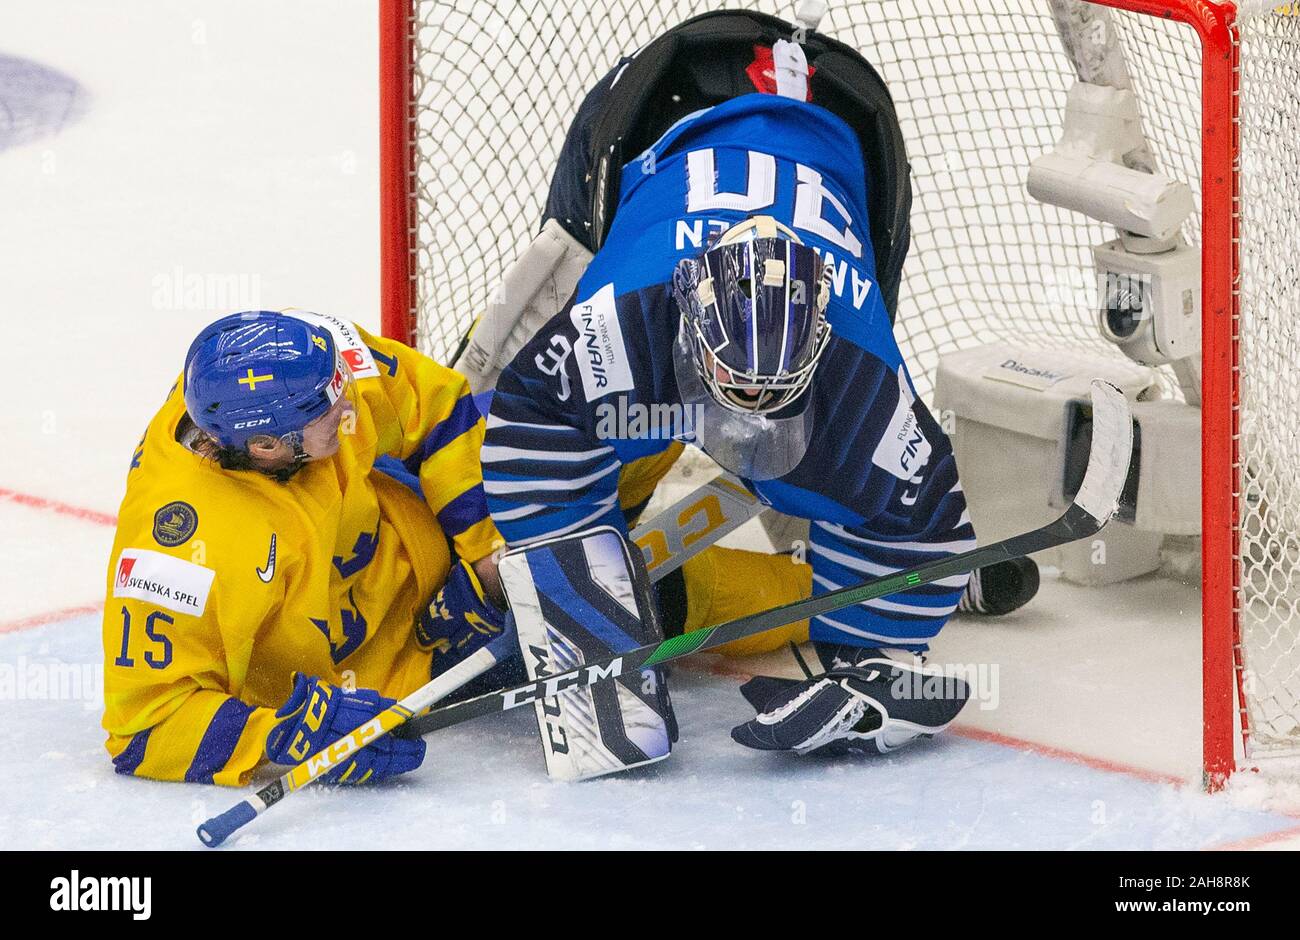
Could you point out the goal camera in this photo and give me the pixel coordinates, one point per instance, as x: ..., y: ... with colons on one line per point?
x: 1150, y: 303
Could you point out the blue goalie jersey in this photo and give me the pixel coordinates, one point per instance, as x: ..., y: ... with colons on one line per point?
x: 594, y: 390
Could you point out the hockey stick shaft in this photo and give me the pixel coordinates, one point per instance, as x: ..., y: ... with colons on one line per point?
x: 398, y: 718
x: 216, y: 830
x: 1093, y: 506
x: 1074, y: 524
x: 668, y: 541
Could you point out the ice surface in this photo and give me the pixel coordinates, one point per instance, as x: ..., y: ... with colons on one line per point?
x: 483, y: 786
x: 227, y: 157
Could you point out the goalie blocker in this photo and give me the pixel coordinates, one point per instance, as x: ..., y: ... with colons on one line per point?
x: 579, y: 599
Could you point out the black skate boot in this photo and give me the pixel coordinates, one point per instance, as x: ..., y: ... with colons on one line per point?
x: 1000, y: 588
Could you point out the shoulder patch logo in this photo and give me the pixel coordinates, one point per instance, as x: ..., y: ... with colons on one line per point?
x: 174, y: 524
x: 169, y: 582
x: 600, y: 351
x: 903, y: 449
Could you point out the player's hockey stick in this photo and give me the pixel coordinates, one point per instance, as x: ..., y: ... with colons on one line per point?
x: 668, y: 541
x: 1093, y: 506
x: 693, y: 523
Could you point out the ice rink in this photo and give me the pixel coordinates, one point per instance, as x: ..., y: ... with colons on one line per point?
x: 164, y: 163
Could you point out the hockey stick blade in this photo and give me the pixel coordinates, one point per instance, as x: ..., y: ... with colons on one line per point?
x: 1098, y: 497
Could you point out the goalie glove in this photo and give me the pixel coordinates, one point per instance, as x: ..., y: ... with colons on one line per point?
x: 864, y: 701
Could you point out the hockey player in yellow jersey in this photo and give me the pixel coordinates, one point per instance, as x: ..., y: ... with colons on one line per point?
x: 303, y: 493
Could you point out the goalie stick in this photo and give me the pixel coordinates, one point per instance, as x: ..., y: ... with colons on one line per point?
x: 667, y: 541
x: 1096, y: 501
x: 1098, y: 497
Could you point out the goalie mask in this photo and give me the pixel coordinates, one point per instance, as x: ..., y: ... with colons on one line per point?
x: 753, y: 328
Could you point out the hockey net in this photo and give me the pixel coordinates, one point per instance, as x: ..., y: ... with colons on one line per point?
x: 482, y: 93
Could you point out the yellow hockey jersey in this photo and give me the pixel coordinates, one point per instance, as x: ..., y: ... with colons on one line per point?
x: 224, y: 583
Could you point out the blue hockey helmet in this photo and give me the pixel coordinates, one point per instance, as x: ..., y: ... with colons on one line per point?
x: 261, y: 372
x: 754, y: 314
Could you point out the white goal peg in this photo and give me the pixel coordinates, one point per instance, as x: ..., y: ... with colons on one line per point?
x: 790, y: 69
x: 807, y: 17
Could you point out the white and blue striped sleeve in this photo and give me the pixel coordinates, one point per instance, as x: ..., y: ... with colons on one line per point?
x: 545, y: 472
x: 845, y: 555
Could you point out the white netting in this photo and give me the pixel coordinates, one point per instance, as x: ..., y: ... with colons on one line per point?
x: 979, y: 94
x: 1269, y: 353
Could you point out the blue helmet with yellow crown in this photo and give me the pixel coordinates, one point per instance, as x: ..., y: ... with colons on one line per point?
x: 261, y: 372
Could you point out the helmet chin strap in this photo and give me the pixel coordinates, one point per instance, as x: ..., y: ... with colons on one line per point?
x: 300, y: 458
x: 293, y: 440
x: 231, y: 458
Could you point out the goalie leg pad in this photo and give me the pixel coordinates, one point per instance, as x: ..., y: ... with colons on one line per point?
x: 577, y: 599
